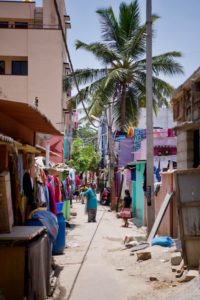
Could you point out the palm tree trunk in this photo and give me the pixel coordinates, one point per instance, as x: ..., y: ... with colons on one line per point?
x: 123, y: 106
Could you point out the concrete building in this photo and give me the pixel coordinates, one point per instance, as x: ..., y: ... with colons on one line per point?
x: 162, y: 119
x: 186, y: 110
x: 33, y: 59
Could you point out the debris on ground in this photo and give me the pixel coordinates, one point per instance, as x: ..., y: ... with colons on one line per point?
x: 152, y: 278
x: 140, y: 246
x: 143, y: 255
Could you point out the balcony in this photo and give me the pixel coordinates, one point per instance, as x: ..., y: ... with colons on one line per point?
x: 27, y: 25
x: 14, y: 87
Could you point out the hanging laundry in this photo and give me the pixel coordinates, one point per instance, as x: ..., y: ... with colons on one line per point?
x: 157, y: 172
x: 28, y: 188
x: 137, y: 138
x: 41, y: 195
x: 160, y: 133
x: 57, y: 189
x: 171, y: 132
x: 52, y: 198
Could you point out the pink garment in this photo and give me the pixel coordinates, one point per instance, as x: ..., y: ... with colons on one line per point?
x: 160, y: 133
x: 171, y: 132
x: 52, y: 199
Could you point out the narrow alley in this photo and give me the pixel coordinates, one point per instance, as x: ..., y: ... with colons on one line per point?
x: 97, y: 265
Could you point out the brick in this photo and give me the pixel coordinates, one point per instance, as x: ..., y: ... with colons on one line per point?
x: 143, y: 255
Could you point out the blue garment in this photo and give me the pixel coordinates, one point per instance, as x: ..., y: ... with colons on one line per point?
x: 137, y: 138
x: 92, y: 200
x: 48, y: 220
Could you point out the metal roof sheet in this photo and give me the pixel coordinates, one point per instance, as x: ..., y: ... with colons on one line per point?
x: 28, y: 116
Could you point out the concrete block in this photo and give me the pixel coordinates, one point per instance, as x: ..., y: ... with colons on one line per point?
x: 176, y: 258
x: 191, y: 274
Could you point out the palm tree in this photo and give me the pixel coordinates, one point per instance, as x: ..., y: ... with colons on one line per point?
x: 121, y: 80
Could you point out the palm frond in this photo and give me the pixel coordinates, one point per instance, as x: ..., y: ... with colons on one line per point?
x: 109, y: 27
x: 102, y: 96
x: 129, y: 19
x: 123, y: 82
x: 84, y: 76
x: 166, y: 64
x: 135, y: 47
x: 101, y: 51
x: 118, y: 75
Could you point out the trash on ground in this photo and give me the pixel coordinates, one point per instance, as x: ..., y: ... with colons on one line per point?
x: 141, y: 246
x: 164, y: 241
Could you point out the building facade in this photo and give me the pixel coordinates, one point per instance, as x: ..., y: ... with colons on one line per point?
x: 186, y: 110
x: 33, y: 58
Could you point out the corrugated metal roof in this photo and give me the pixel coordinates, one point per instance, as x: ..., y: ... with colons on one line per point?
x: 28, y: 116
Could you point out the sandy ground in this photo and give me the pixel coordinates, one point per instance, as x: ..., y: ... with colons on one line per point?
x: 96, y: 265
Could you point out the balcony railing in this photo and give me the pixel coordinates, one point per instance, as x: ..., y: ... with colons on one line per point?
x: 31, y: 26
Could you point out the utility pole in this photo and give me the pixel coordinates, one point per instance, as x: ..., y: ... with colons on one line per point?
x: 111, y: 158
x: 149, y: 119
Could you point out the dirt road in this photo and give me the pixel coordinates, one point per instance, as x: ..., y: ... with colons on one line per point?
x: 96, y: 266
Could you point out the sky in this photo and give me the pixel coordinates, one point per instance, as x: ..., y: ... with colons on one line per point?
x: 177, y: 29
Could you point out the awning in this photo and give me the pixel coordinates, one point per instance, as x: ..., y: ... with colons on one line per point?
x: 28, y: 116
x: 43, y: 149
x: 29, y: 149
x: 6, y: 140
x: 10, y: 142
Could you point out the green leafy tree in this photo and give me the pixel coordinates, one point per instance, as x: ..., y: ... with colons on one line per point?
x: 84, y: 157
x: 122, y: 79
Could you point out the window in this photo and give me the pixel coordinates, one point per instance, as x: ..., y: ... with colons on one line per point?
x: 2, y: 67
x: 21, y: 25
x: 196, y: 154
x: 3, y: 24
x: 19, y: 67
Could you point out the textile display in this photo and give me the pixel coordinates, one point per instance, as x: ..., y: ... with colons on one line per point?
x: 49, y: 220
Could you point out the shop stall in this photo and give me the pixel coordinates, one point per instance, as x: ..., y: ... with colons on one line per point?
x: 25, y: 251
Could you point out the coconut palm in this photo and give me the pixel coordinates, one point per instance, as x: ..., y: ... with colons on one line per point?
x: 122, y: 79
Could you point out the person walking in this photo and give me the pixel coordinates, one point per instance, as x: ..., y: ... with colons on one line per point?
x: 126, y: 210
x: 91, y: 204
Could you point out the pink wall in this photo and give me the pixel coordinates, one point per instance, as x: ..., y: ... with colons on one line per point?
x: 56, y: 145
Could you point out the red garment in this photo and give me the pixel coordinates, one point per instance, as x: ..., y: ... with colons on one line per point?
x: 58, y: 195
x: 52, y: 199
x: 78, y: 182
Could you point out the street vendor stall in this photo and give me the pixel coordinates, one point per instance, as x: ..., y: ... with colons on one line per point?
x: 25, y: 251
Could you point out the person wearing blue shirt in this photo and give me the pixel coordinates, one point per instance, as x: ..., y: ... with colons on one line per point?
x: 91, y: 204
